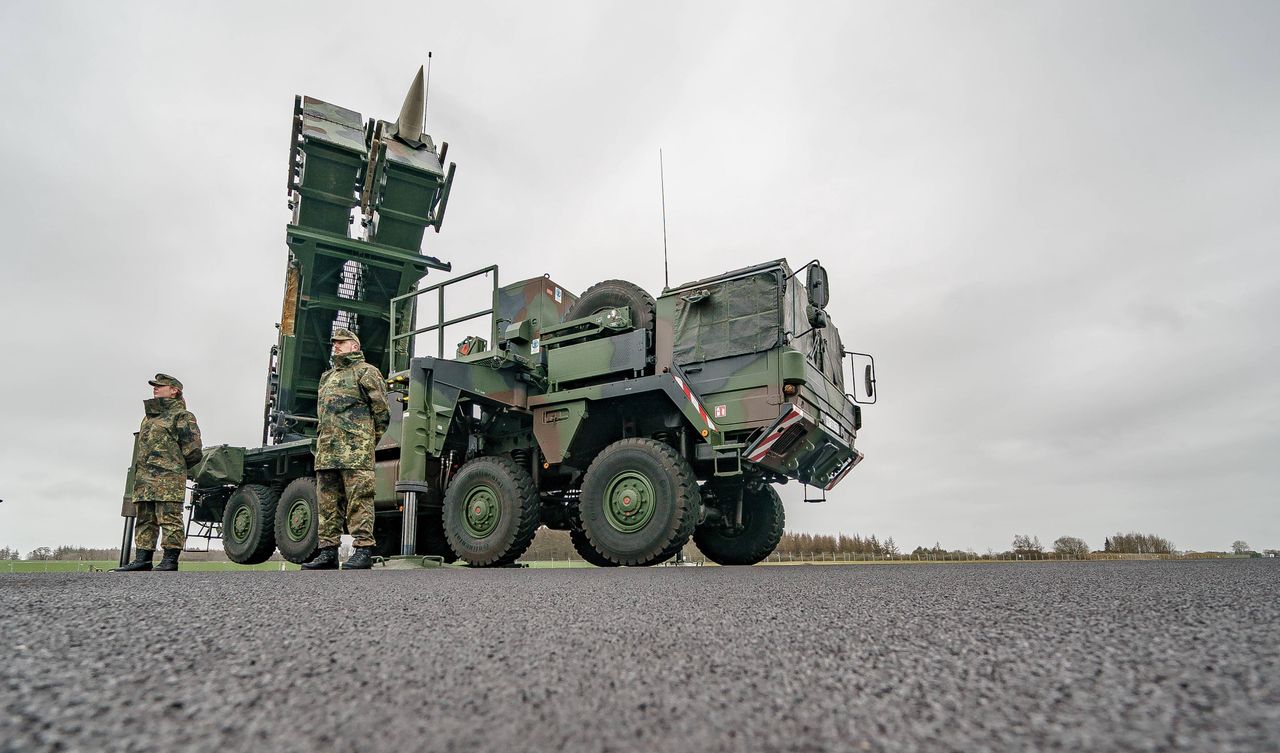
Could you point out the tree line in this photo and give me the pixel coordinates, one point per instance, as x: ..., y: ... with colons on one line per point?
x: 555, y: 545
x: 62, y: 553
x: 1137, y: 543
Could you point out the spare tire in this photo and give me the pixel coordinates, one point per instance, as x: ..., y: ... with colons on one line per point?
x: 612, y: 294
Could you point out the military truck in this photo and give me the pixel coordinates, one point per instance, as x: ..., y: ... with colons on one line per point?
x: 631, y: 422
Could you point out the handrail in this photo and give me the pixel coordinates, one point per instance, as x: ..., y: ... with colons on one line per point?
x: 441, y: 322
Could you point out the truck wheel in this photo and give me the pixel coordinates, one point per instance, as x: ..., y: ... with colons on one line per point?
x: 762, y: 522
x: 639, y: 502
x: 612, y: 294
x: 297, y: 521
x: 248, y: 524
x: 587, y: 552
x: 491, y: 511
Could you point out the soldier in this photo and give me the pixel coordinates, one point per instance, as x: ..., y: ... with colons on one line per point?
x: 352, y: 406
x: 168, y: 448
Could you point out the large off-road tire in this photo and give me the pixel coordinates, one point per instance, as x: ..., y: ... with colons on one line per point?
x: 614, y: 294
x: 491, y: 511
x: 762, y: 522
x: 297, y: 520
x: 639, y: 502
x: 388, y: 529
x: 588, y: 552
x: 248, y: 524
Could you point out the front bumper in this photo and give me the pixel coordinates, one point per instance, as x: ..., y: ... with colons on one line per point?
x: 798, y: 445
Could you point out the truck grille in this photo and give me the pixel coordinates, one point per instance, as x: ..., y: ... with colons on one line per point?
x: 788, y: 440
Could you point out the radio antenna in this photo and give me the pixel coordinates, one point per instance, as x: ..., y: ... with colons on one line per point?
x: 426, y: 100
x: 662, y: 185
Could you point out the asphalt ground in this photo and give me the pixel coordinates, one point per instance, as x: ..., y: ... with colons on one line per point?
x: 1150, y: 656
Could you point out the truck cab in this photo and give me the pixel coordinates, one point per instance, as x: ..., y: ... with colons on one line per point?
x: 758, y: 347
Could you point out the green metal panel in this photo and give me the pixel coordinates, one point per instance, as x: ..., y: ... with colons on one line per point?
x: 555, y: 426
x: 541, y: 303
x: 620, y: 354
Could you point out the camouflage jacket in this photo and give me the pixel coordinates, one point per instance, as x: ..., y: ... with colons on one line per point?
x: 168, y: 446
x: 353, y: 413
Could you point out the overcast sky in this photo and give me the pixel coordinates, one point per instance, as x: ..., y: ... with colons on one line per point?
x: 1054, y: 224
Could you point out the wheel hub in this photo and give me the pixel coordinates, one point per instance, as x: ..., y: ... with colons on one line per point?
x: 241, y: 522
x: 299, y: 521
x: 481, y: 512
x: 629, y: 502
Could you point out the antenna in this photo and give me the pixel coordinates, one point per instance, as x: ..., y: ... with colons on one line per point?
x: 662, y: 184
x: 425, y: 95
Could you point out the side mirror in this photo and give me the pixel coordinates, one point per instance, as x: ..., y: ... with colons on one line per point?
x: 860, y: 377
x: 816, y: 282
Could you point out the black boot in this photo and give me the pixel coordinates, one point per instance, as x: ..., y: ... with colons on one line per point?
x: 170, y: 561
x: 143, y: 562
x: 326, y: 559
x: 360, y: 559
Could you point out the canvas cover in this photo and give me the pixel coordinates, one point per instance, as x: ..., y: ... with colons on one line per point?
x: 220, y: 465
x: 739, y: 317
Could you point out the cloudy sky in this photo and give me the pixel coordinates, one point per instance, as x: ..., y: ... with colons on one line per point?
x: 1054, y: 223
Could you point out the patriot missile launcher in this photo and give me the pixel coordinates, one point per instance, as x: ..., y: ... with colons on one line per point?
x: 634, y: 423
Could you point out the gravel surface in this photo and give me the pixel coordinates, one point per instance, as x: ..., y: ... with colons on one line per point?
x: 1133, y: 656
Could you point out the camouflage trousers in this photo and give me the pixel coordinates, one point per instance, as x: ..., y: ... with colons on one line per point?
x: 154, y: 516
x: 345, y: 496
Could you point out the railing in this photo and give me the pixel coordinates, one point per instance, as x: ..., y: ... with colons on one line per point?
x: 811, y: 557
x: 440, y: 324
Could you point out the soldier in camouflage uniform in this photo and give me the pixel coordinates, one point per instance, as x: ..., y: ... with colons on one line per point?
x: 168, y: 448
x: 352, y: 406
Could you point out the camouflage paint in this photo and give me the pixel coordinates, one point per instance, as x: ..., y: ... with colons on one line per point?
x: 620, y: 356
x: 159, y: 522
x: 435, y: 387
x: 344, y: 499
x: 167, y: 447
x: 353, y: 414
x: 728, y: 403
x: 539, y: 301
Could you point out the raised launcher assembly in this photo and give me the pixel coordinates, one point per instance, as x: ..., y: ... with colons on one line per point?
x: 390, y: 177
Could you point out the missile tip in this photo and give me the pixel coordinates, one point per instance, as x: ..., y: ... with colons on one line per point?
x: 410, y: 124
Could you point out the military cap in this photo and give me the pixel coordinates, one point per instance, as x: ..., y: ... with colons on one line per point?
x: 164, y: 380
x: 342, y: 333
